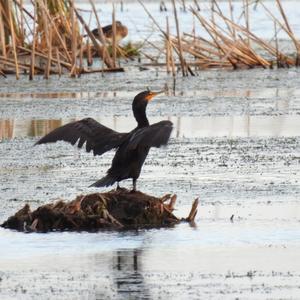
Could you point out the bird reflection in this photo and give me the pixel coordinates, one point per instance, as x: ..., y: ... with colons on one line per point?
x: 127, y: 276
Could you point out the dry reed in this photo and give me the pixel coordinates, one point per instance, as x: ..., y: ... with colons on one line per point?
x: 53, y: 43
x: 230, y: 44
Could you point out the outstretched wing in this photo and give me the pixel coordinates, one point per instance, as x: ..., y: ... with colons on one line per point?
x: 155, y: 135
x: 97, y: 137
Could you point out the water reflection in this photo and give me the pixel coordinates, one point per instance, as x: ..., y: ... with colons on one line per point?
x: 65, y: 95
x: 19, y: 128
x: 6, y: 129
x: 261, y: 93
x: 127, y: 275
x: 42, y: 127
x: 190, y: 127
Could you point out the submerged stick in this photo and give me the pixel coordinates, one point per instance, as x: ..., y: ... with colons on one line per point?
x: 193, y: 211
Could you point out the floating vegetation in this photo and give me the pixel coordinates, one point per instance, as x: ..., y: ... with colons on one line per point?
x: 118, y: 209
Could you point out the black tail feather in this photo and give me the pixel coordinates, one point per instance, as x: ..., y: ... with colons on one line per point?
x: 104, y: 181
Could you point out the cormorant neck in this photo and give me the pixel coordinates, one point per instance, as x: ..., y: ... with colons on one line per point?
x: 140, y: 116
x: 139, y: 106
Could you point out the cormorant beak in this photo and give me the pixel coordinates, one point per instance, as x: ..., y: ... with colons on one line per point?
x: 153, y: 94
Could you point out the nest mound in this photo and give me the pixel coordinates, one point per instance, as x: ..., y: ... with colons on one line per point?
x: 117, y: 209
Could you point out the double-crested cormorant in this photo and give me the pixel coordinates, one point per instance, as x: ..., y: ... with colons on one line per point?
x: 121, y: 32
x: 132, y: 147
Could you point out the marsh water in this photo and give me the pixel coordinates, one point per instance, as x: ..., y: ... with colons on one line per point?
x: 235, y: 145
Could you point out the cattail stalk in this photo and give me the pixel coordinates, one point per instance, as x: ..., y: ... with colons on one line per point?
x: 182, y: 62
x: 13, y: 40
x: 32, y: 62
x: 74, y: 38
x: 114, y: 29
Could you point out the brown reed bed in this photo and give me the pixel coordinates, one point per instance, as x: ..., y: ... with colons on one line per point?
x: 231, y: 43
x: 49, y: 41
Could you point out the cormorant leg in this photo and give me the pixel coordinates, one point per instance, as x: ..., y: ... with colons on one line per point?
x: 118, y: 186
x: 134, y: 185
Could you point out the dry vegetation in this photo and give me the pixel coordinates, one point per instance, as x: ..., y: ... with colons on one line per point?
x: 232, y: 44
x: 117, y: 209
x: 49, y: 41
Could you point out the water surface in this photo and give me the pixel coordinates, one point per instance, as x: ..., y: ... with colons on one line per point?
x: 235, y: 146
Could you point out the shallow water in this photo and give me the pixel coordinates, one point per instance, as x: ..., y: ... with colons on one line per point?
x: 185, y: 127
x: 140, y: 27
x: 211, y: 93
x: 235, y: 145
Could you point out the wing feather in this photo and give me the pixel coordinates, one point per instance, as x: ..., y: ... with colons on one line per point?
x: 155, y: 135
x: 97, y: 137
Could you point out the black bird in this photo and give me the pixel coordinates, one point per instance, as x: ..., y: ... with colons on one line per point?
x: 132, y: 147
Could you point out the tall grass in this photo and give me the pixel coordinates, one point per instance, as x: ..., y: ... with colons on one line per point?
x: 231, y: 42
x: 47, y: 41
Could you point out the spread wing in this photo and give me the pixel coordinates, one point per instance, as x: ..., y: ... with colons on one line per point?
x: 97, y: 137
x: 155, y: 135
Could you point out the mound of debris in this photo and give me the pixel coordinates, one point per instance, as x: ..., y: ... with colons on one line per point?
x: 118, y: 209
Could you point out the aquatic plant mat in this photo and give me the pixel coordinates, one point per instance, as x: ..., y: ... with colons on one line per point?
x: 118, y: 209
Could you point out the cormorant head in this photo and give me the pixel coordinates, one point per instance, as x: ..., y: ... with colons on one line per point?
x: 139, y: 105
x: 142, y: 99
